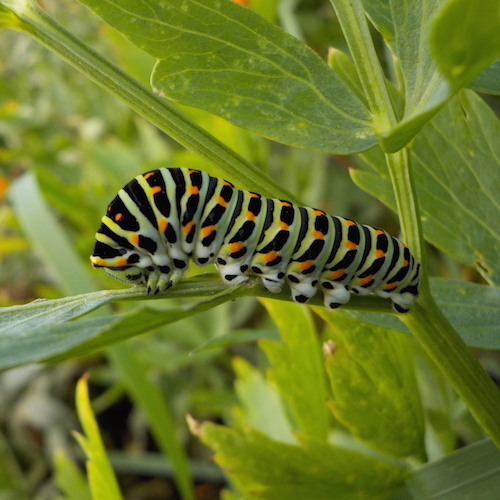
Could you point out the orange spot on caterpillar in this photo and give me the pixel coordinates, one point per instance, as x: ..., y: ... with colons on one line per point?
x: 270, y: 256
x: 379, y: 254
x: 147, y: 175
x: 337, y: 274
x: 155, y: 189
x: 118, y: 216
x: 254, y: 195
x: 250, y: 215
x: 134, y: 239
x: 318, y: 212
x: 318, y: 235
x: 390, y: 287
x: 162, y: 225
x: 194, y: 190
x: 236, y: 246
x: 98, y: 262
x: 187, y: 228
x: 364, y: 281
x: 221, y: 201
x: 206, y: 231
x: 351, y: 245
x: 121, y: 262
x: 284, y: 225
x: 350, y: 222
x: 304, y: 266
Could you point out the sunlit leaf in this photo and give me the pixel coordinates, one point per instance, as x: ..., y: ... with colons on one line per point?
x: 375, y: 392
x: 69, y: 478
x: 270, y: 470
x: 297, y: 366
x: 102, y: 479
x: 229, y: 60
x: 261, y: 406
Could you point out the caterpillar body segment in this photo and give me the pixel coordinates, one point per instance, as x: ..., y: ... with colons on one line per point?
x: 165, y: 217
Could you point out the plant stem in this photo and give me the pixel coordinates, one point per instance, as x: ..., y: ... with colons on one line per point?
x: 456, y: 361
x: 352, y: 20
x: 399, y: 165
x: 425, y: 320
x: 35, y: 22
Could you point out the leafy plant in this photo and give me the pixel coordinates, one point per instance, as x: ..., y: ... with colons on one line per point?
x: 427, y: 148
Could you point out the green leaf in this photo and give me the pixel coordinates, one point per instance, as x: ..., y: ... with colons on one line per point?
x: 472, y: 309
x: 346, y: 70
x: 40, y: 225
x: 34, y: 340
x: 406, y: 26
x: 488, y: 81
x: 100, y: 473
x: 375, y: 392
x: 379, y: 13
x: 270, y: 470
x: 261, y: 405
x: 471, y: 472
x: 426, y: 90
x: 237, y: 337
x: 227, y: 59
x: 465, y: 39
x: 133, y: 373
x: 457, y: 173
x: 69, y: 478
x: 297, y: 366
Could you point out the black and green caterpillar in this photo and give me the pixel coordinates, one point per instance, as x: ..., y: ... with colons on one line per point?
x: 164, y: 217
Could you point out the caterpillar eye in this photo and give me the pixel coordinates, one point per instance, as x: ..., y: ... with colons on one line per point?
x: 244, y: 233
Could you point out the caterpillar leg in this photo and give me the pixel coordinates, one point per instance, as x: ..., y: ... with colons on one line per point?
x: 335, y: 294
x: 273, y: 283
x: 232, y: 274
x: 161, y: 278
x: 272, y: 279
x: 304, y: 290
x: 403, y: 302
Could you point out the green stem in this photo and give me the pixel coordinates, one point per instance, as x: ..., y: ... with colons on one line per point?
x: 399, y: 165
x: 425, y: 320
x: 35, y: 22
x: 456, y: 361
x: 352, y: 19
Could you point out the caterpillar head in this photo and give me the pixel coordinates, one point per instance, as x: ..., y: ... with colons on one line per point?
x: 121, y: 263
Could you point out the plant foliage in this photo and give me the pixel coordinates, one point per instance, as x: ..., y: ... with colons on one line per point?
x: 350, y: 406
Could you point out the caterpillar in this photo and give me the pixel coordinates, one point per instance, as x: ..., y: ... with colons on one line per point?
x: 164, y: 217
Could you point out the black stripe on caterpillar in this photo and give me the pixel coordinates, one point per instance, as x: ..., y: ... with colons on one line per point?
x: 164, y: 217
